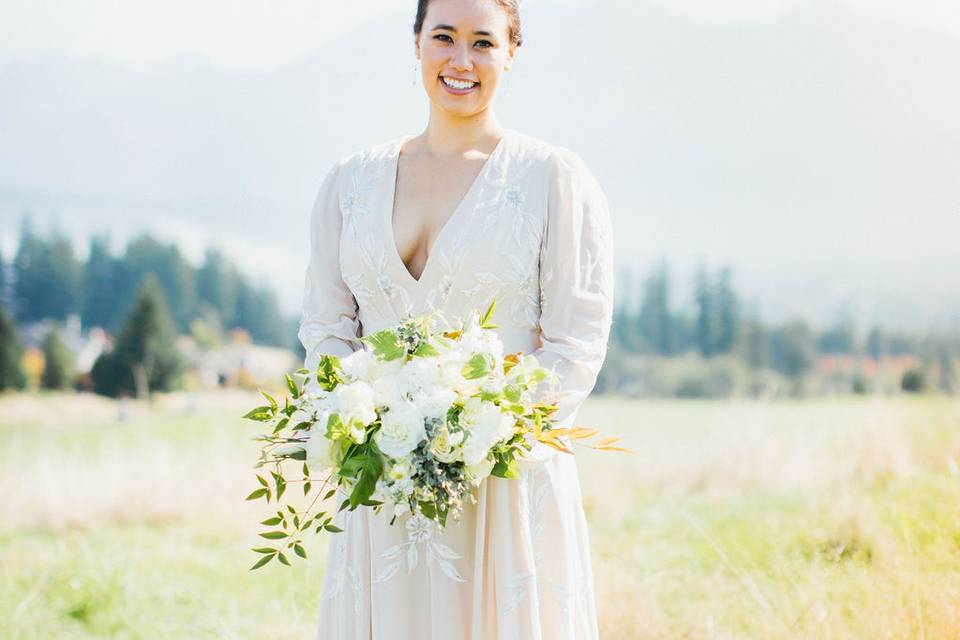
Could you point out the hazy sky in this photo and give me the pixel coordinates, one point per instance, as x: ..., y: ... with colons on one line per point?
x: 255, y: 34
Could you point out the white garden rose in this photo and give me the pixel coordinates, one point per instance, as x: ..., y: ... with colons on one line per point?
x: 475, y: 473
x: 435, y: 401
x: 386, y: 391
x: 357, y: 364
x: 354, y: 402
x: 444, y: 446
x: 402, y: 429
x: 487, y: 425
x: 419, y: 374
x: 319, y: 451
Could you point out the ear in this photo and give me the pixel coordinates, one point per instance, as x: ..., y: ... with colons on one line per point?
x: 511, y: 52
x: 416, y: 46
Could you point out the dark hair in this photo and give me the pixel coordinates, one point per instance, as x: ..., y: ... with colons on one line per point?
x: 512, y: 7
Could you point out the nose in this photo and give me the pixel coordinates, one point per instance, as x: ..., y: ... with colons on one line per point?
x: 461, y: 59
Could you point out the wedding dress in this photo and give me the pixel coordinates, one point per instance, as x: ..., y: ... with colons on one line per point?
x: 533, y: 231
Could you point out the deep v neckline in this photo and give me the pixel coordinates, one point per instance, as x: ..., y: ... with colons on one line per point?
x: 392, y: 198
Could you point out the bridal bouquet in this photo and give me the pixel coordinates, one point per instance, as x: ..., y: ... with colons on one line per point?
x: 411, y: 423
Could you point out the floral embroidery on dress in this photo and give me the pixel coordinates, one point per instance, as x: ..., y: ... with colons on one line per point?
x: 420, y: 531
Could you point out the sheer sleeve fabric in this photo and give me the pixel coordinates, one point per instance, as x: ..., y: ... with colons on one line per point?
x: 576, y: 284
x: 329, y: 322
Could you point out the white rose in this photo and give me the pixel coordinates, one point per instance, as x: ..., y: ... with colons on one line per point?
x: 386, y: 391
x: 475, y: 473
x: 402, y: 429
x: 354, y: 401
x: 435, y: 401
x: 443, y: 444
x: 319, y: 452
x: 358, y: 364
x: 419, y: 374
x: 400, y: 469
x: 487, y: 425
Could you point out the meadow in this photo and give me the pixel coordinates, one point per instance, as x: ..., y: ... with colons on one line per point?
x: 821, y: 518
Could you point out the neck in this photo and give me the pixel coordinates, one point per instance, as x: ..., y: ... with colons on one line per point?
x: 451, y: 135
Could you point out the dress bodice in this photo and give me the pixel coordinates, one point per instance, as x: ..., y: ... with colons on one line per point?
x: 532, y: 231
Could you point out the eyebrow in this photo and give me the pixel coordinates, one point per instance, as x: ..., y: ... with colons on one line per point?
x: 447, y: 27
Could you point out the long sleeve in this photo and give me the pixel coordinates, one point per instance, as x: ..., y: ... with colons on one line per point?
x: 576, y: 284
x: 329, y: 322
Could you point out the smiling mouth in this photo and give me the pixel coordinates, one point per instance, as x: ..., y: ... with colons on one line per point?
x: 458, y: 85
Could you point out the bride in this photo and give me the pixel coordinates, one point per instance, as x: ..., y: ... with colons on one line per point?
x: 462, y: 213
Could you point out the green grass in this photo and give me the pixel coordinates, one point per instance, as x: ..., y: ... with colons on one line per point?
x: 828, y: 518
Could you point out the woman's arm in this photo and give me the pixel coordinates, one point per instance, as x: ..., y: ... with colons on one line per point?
x: 329, y: 323
x: 576, y: 284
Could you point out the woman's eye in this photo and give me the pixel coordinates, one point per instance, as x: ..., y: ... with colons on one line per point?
x: 439, y: 36
x: 487, y: 45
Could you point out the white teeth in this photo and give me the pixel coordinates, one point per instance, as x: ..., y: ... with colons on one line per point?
x: 457, y: 84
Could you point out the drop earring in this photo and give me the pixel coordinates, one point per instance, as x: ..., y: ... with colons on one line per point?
x: 413, y: 81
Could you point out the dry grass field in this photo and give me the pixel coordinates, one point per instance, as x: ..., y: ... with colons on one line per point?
x: 824, y: 518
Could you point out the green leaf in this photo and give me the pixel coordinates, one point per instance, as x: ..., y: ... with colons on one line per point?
x: 282, y: 558
x: 300, y: 551
x: 274, y: 535
x: 260, y: 414
x: 262, y: 561
x: 329, y: 494
x: 506, y: 469
x: 299, y: 455
x: 265, y: 550
x: 272, y: 521
x: 386, y: 345
x: 488, y: 316
x: 306, y: 488
x: 262, y: 481
x: 425, y: 349
x: 258, y: 493
x: 479, y: 365
x: 294, y: 390
x: 332, y: 528
x: 328, y: 376
x: 273, y: 403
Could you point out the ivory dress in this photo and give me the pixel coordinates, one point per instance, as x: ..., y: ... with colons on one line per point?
x: 533, y: 231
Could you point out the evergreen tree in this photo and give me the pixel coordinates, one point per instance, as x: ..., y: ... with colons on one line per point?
x: 144, y: 255
x: 58, y: 361
x: 727, y: 313
x: 837, y: 339
x: 257, y: 313
x: 46, y: 276
x: 218, y: 287
x: 876, y: 343
x: 12, y: 375
x: 792, y: 349
x: 654, y: 320
x: 706, y: 331
x: 146, y: 356
x: 947, y: 381
x: 99, y: 288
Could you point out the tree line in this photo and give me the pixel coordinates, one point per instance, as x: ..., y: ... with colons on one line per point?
x: 717, y: 321
x: 46, y: 280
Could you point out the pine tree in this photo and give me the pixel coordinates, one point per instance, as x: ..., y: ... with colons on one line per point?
x: 46, y: 280
x: 58, y: 361
x: 706, y: 331
x: 655, y: 320
x: 12, y: 375
x: 99, y: 286
x: 727, y: 313
x: 146, y: 356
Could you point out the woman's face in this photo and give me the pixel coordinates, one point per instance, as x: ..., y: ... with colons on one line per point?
x: 463, y: 47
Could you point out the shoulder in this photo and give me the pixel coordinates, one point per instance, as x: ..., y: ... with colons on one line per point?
x: 559, y: 162
x: 370, y: 156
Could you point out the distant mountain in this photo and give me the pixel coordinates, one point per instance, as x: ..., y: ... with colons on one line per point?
x: 817, y: 153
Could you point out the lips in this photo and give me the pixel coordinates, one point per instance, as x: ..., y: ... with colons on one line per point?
x: 466, y: 83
